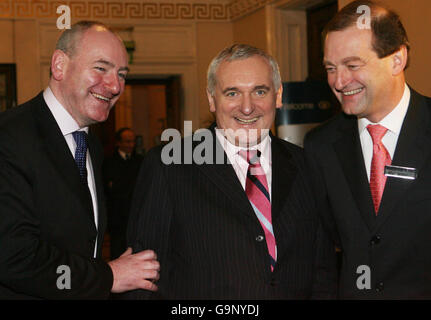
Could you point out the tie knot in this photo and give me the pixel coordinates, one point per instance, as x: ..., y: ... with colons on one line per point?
x: 376, y: 132
x: 80, y: 139
x: 251, y: 156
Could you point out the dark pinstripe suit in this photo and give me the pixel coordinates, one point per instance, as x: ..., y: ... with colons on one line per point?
x: 198, y: 219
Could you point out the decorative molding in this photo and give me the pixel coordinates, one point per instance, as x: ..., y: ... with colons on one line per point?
x: 209, y: 10
x: 170, y: 42
x: 241, y: 8
x: 128, y: 9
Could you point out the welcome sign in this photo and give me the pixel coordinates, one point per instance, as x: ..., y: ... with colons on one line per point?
x: 305, y: 105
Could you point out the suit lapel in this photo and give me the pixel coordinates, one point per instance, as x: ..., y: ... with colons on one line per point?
x: 58, y: 152
x: 283, y: 176
x: 349, y: 152
x: 413, y: 148
x: 96, y: 161
x: 284, y: 172
x: 224, y: 177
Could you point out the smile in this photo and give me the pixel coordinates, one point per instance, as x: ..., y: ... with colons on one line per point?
x: 247, y: 121
x: 350, y: 93
x: 98, y: 96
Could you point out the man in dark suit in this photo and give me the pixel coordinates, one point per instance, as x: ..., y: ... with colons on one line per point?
x: 371, y: 163
x: 228, y: 227
x: 52, y: 212
x: 120, y: 172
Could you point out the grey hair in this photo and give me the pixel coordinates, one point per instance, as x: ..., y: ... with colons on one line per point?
x: 240, y: 52
x: 69, y: 39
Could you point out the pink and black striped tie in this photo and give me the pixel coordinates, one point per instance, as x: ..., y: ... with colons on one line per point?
x: 256, y: 188
x: 381, y: 158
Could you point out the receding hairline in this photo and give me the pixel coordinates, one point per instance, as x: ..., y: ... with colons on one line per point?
x: 71, y: 38
x: 260, y: 57
x: 377, y: 10
x: 241, y: 52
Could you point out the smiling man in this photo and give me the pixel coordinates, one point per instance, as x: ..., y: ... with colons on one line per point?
x: 243, y: 229
x: 88, y: 74
x: 52, y: 211
x: 244, y: 94
x: 372, y: 163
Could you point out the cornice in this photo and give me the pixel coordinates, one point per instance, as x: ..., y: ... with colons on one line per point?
x: 209, y: 10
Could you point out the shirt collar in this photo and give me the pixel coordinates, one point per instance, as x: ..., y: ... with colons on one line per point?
x: 394, y: 120
x: 63, y: 118
x: 233, y: 150
x: 123, y: 154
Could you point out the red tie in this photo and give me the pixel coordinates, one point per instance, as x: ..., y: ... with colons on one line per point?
x: 381, y: 158
x: 256, y: 188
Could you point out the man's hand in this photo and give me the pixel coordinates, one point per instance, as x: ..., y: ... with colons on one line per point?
x: 135, y: 271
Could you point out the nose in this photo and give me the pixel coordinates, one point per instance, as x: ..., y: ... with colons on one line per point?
x: 342, y: 78
x: 113, y: 83
x: 247, y: 106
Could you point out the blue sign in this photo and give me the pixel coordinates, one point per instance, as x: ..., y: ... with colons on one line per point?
x: 305, y: 102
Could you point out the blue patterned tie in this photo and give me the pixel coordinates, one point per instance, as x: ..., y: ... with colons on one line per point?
x: 81, y: 154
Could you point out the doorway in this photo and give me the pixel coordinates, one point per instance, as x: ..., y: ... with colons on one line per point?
x: 155, y: 106
x: 317, y: 18
x: 147, y: 106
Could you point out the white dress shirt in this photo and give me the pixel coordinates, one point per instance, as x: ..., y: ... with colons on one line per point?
x: 393, y: 122
x: 240, y: 165
x: 124, y: 155
x: 67, y: 126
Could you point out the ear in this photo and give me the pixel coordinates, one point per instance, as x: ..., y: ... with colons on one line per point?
x: 399, y: 60
x: 211, y: 101
x: 59, y: 62
x: 279, y: 98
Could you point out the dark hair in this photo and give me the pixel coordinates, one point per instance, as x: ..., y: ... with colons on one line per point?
x: 386, y: 27
x: 120, y: 132
x: 70, y: 37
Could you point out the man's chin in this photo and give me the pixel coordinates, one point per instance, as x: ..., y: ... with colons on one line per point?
x: 100, y: 117
x: 352, y: 110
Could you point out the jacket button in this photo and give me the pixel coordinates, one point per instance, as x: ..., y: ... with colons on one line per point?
x: 260, y: 238
x: 379, y: 287
x: 375, y: 240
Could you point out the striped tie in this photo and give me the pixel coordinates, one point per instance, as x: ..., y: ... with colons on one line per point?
x: 256, y: 188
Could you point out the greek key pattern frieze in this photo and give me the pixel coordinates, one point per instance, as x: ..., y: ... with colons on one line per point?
x: 187, y: 10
